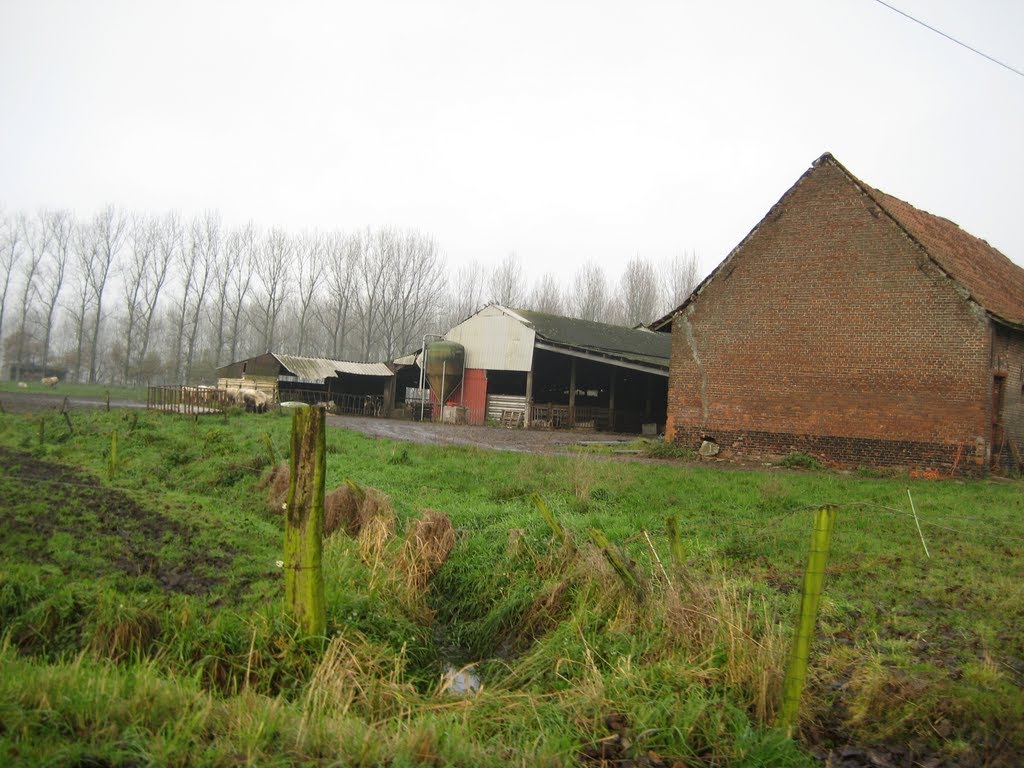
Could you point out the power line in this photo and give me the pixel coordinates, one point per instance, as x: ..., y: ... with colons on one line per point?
x: 950, y: 37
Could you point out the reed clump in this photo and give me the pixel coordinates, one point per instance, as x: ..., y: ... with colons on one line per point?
x: 276, y: 484
x: 428, y: 542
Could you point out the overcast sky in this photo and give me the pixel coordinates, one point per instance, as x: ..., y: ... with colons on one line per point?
x: 563, y: 131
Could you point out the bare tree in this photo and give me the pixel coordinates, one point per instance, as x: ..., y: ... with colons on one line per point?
x: 371, y: 273
x: 547, y: 295
x: 142, y: 246
x: 238, y: 269
x: 589, y: 297
x: 108, y: 230
x: 205, y: 246
x: 36, y: 236
x: 168, y: 244
x: 639, y: 292
x: 273, y: 266
x: 10, y: 253
x: 505, y: 285
x: 196, y: 266
x: 168, y: 234
x: 61, y: 226
x: 466, y: 295
x: 84, y: 249
x: 415, y: 283
x: 311, y: 251
x: 344, y: 254
x: 681, y: 275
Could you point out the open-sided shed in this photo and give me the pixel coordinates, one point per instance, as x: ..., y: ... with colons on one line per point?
x: 351, y: 387
x: 537, y: 369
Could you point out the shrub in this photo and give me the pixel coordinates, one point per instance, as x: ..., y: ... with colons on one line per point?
x: 801, y: 460
x: 660, y: 449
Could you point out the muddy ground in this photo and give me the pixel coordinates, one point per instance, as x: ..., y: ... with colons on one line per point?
x: 518, y: 440
x: 63, y: 517
x: 26, y: 402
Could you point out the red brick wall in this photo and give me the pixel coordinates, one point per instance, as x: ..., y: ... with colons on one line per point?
x: 829, y: 331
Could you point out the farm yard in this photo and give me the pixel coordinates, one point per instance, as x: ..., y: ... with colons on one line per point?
x: 141, y: 605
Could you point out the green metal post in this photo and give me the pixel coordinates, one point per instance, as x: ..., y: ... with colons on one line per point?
x: 814, y: 579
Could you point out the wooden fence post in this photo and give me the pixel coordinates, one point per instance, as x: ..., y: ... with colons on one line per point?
x: 112, y: 458
x: 814, y: 579
x: 304, y: 522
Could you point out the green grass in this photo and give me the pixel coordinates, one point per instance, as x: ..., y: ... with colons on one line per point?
x: 142, y: 616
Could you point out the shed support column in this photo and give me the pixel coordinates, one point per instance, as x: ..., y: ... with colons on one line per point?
x: 572, y: 392
x: 529, y: 398
x: 389, y: 395
x: 611, y: 402
x: 647, y: 398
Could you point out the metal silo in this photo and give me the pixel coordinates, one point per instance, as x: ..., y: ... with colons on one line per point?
x: 445, y: 364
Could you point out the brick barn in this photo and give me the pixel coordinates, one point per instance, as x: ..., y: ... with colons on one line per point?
x: 852, y: 326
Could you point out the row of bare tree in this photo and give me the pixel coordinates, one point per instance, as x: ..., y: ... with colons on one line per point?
x: 134, y: 298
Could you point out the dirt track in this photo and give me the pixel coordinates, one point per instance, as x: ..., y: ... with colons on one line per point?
x: 24, y: 402
x: 520, y: 440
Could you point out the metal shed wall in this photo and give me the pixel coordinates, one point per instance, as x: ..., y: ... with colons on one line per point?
x: 495, y: 341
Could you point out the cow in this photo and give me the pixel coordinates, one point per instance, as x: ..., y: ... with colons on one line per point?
x: 22, y: 385
x: 49, y: 381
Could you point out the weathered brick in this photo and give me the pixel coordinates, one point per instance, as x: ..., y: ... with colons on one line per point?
x: 830, y: 329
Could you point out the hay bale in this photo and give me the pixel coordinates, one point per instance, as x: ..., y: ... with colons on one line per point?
x: 427, y: 545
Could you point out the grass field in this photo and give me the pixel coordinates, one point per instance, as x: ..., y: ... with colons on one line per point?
x: 133, y: 394
x: 142, y: 621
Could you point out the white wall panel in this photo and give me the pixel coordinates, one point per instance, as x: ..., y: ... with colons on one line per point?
x: 495, y: 341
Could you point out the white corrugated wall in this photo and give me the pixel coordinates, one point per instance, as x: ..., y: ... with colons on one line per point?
x: 495, y: 341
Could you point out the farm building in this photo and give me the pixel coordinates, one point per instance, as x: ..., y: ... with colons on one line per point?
x: 352, y: 387
x: 850, y: 325
x: 525, y: 368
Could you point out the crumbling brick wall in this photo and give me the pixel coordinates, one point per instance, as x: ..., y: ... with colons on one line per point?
x: 830, y: 331
x: 1008, y: 375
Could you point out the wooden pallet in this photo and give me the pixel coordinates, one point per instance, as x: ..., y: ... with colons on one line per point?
x: 511, y: 419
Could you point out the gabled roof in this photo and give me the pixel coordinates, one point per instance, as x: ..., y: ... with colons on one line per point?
x: 316, y: 369
x: 613, y: 341
x: 993, y: 281
x: 985, y: 274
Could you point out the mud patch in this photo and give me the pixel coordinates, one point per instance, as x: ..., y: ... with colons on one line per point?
x: 57, y: 516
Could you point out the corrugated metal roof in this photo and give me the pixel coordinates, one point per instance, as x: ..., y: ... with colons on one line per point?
x: 411, y: 359
x: 638, y: 345
x: 316, y: 369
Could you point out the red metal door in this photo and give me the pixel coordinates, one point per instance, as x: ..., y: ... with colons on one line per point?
x: 474, y: 395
